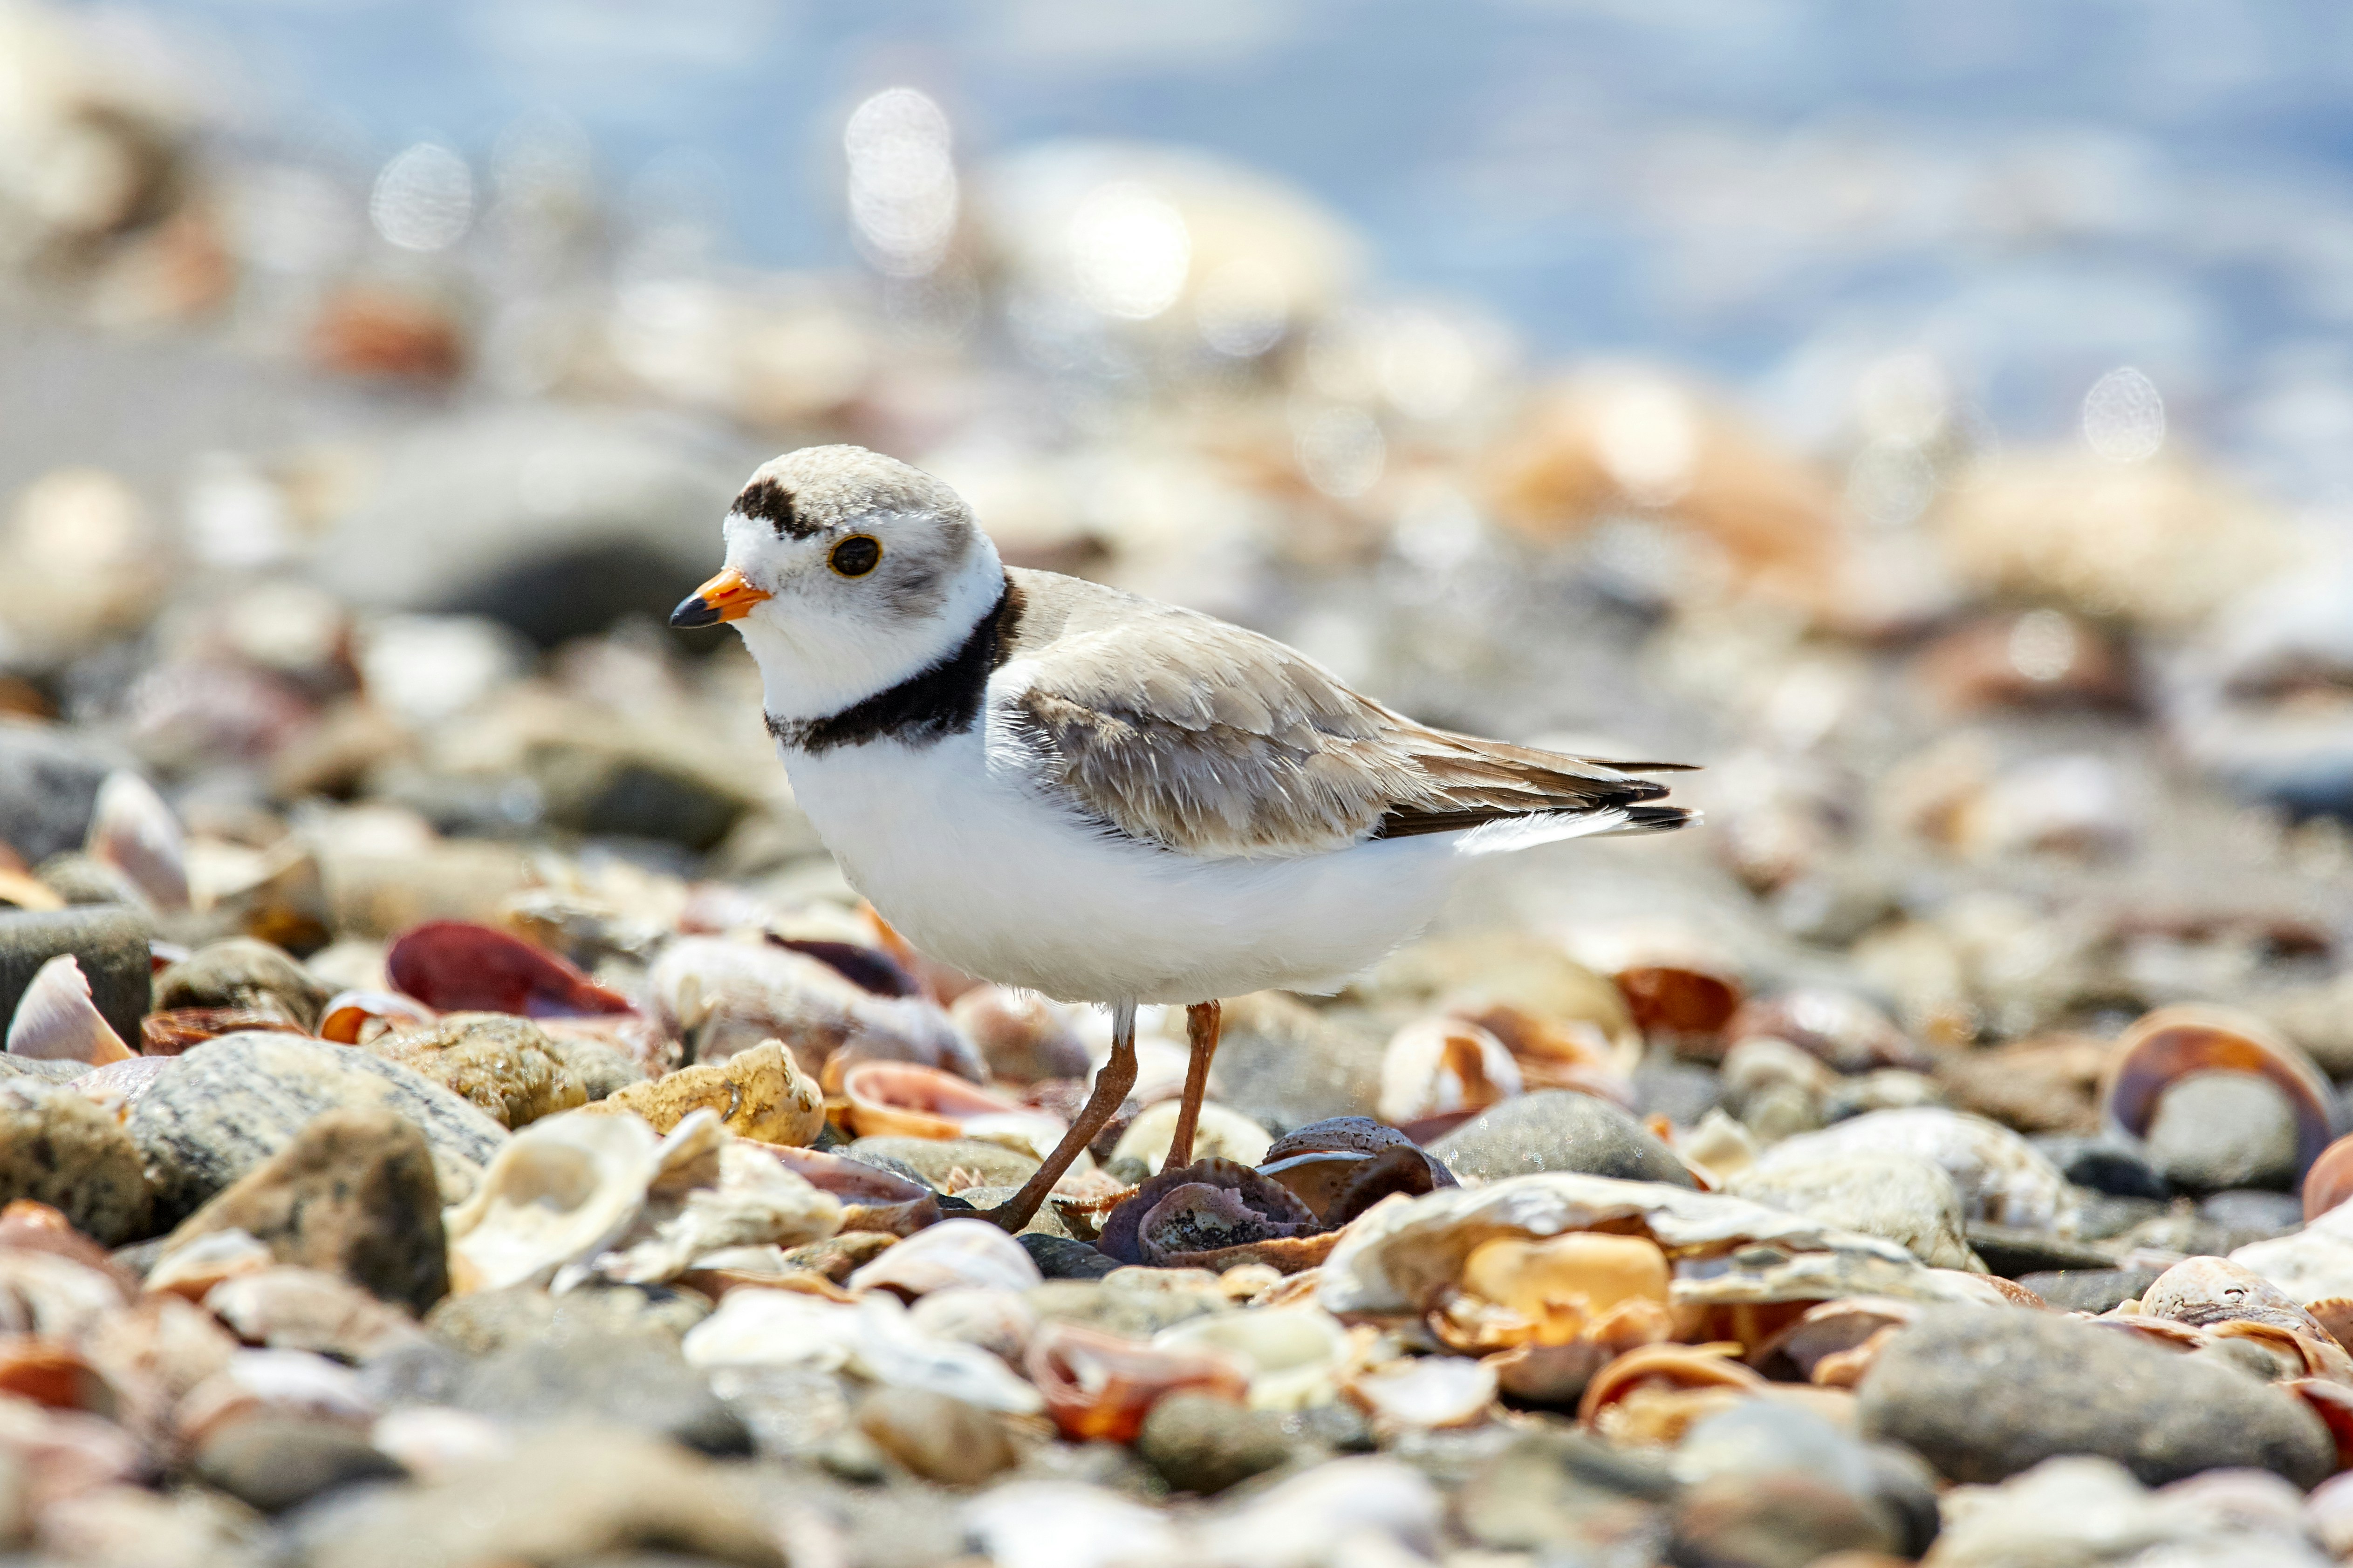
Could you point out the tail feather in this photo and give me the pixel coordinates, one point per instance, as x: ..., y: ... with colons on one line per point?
x: 1504, y: 835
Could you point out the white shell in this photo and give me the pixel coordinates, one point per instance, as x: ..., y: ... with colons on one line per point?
x: 730, y: 996
x: 1227, y: 1135
x: 1417, y: 1079
x: 43, y: 1293
x: 1346, y: 1510
x: 1066, y: 1524
x: 1426, y: 1391
x: 954, y: 1252
x: 133, y: 831
x: 436, y: 1442
x: 2002, y: 1176
x: 2310, y: 1264
x: 209, y: 1260
x: 875, y: 1339
x: 999, y: 1322
x: 56, y: 1020
x: 710, y: 1203
x: 1294, y: 1353
x: 561, y: 1189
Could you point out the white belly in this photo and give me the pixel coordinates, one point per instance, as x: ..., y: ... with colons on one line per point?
x: 963, y: 857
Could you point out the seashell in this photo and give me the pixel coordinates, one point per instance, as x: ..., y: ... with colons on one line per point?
x: 1574, y: 1053
x: 953, y: 1253
x: 2296, y: 1351
x: 288, y: 1308
x: 437, y: 1443
x: 1412, y: 1172
x: 2003, y: 1178
x: 2037, y: 659
x: 999, y: 1322
x: 66, y: 1453
x: 867, y: 968
x: 1438, y: 1065
x: 2206, y: 1291
x: 2329, y: 1182
x: 1206, y: 1210
x: 1423, y: 1392
x: 1221, y: 1134
x: 352, y: 1017
x: 1836, y: 1027
x: 2325, y: 1509
x: 298, y: 1382
x: 1648, y: 1394
x: 1515, y: 1290
x: 1364, y: 1511
x: 1833, y: 1329
x: 759, y: 1094
x: 455, y: 966
x: 713, y: 1196
x: 1041, y: 1523
x: 132, y: 830
x: 561, y: 1189
x: 875, y: 1338
x: 118, y: 1085
x: 1293, y: 1354
x: 1022, y: 1036
x: 2171, y: 1043
x: 168, y: 1034
x: 21, y: 889
x: 1101, y: 1386
x: 52, y: 1373
x: 872, y: 1199
x: 721, y: 996
x: 915, y: 1102
x: 191, y: 1269
x: 56, y: 1020
x: 37, y: 1228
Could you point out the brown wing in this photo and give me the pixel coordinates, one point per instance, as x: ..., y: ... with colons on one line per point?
x: 1209, y: 740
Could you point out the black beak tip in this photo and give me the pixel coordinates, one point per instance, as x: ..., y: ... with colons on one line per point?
x: 692, y: 612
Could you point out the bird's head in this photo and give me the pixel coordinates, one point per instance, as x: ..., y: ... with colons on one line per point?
x: 846, y: 572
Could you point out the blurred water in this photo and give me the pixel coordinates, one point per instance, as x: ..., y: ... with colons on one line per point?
x: 1776, y: 191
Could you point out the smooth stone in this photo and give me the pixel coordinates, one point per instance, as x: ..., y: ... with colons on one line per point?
x: 2100, y: 1217
x: 1199, y: 1443
x: 1900, y: 1198
x: 49, y: 777
x: 1761, y: 1438
x: 276, y: 1462
x: 1785, y: 1519
x: 505, y: 1067
x: 352, y: 1195
x: 934, y: 1160
x: 2253, y: 1213
x: 839, y: 1257
x: 2118, y: 1169
x: 1046, y: 1222
x: 59, y: 1148
x: 1122, y: 1309
x: 231, y: 1103
x: 1985, y: 1393
x: 2090, y: 1290
x: 484, y: 1322
x: 39, y: 1070
x: 1060, y: 1257
x: 1559, y: 1130
x: 1683, y: 1092
x: 2010, y: 1251
x: 940, y: 1439
x: 2217, y: 1130
x: 634, y: 790
x: 1564, y: 1489
x: 621, y: 1379
x: 108, y: 941
x: 243, y: 972
x: 1282, y: 1064
x: 81, y: 879
x: 793, y: 1412
x: 568, y: 1495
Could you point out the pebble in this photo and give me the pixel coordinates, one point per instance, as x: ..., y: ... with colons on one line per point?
x: 1116, y: 1305
x: 2088, y: 1290
x: 1198, y: 1443
x: 940, y: 1439
x: 230, y: 1104
x: 2217, y: 1130
x: 277, y: 1462
x: 354, y: 1195
x: 109, y: 941
x: 49, y: 778
x: 60, y: 1149
x: 839, y: 1257
x: 485, y: 1322
x: 761, y: 1094
x: 2112, y: 1166
x: 243, y: 972
x: 1985, y: 1393
x: 1282, y: 1064
x: 1060, y: 1257
x: 949, y: 1164
x: 1897, y: 1197
x: 629, y: 1379
x: 602, y: 1070
x: 1559, y: 1130
x: 505, y: 1066
x: 1786, y: 1518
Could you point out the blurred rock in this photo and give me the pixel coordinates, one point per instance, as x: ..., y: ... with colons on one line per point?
x: 274, y: 1463
x: 505, y: 1066
x: 243, y: 973
x: 109, y: 944
x: 1199, y: 1443
x: 2216, y: 1130
x: 940, y: 1439
x: 1559, y: 1130
x: 632, y: 1380
x: 49, y: 777
x: 1283, y: 1065
x: 1897, y: 1197
x: 58, y: 1148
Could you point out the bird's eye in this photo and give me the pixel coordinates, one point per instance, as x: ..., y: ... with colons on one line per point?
x: 855, y: 555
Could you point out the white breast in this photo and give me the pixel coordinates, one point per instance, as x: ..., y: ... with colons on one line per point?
x: 960, y: 848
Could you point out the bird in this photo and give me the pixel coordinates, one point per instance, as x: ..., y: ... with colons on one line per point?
x: 1063, y: 787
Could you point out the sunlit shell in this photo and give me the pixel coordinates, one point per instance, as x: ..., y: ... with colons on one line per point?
x: 353, y: 1016
x: 721, y: 996
x: 1294, y: 1354
x: 2325, y: 1510
x: 997, y: 1320
x: 2002, y: 1176
x: 453, y: 966
x: 1201, y: 1215
x: 1552, y: 1053
x: 118, y: 1085
x: 191, y: 1269
x: 2329, y: 1182
x: 1674, y: 1000
x: 1552, y: 1291
x: 2204, y: 1291
x: 872, y: 1199
x: 133, y: 831
x: 2298, y: 1352
x: 55, y: 1374
x: 888, y: 1098
x: 1420, y: 1392
x: 1834, y: 1328
x: 1837, y: 1027
x: 1668, y: 1368
x: 1221, y: 1133
x: 436, y: 1442
x: 953, y: 1253
x: 1101, y: 1386
x: 713, y: 1196
x: 559, y: 1191
x: 280, y: 1382
x: 761, y: 1094
x: 53, y: 1296
x: 2171, y: 1043
x: 56, y: 1020
x: 1440, y: 1064
x: 1023, y: 1037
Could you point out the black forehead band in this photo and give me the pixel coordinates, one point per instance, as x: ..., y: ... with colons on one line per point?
x: 773, y: 504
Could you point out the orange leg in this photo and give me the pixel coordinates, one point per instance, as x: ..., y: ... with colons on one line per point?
x: 1112, y: 1084
x: 1201, y: 1034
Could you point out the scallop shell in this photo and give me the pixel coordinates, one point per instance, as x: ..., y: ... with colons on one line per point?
x: 56, y: 1020
x: 872, y: 1199
x: 1023, y: 1037
x: 2002, y: 1176
x: 721, y: 996
x: 455, y: 966
x: 915, y: 1102
x: 1837, y: 1027
x: 2170, y: 1044
x: 1294, y: 1354
x: 1204, y: 1216
x: 560, y: 1191
x: 1101, y: 1386
x: 1712, y: 1366
x: 352, y: 1017
x: 1437, y: 1065
x: 953, y: 1253
x: 1422, y: 1392
x: 133, y: 831
x: 2205, y: 1291
x: 1220, y: 1134
x: 1519, y: 1290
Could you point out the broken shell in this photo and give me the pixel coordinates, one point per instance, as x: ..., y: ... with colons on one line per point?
x: 997, y: 1320
x: 1573, y: 1053
x: 888, y: 1097
x: 2329, y: 1182
x: 1678, y: 1000
x: 714, y: 1199
x: 170, y: 1033
x: 191, y: 1269
x: 1834, y: 1328
x: 1333, y: 1134
x: 2205, y: 1291
x: 56, y: 1020
x: 454, y: 967
x: 872, y: 1199
x: 1293, y: 1353
x: 1100, y: 1385
x: 1181, y: 1217
x: 561, y: 1189
x: 719, y: 996
x: 760, y: 1094
x: 2002, y: 1176
x: 46, y: 1294
x: 2171, y: 1043
x: 1412, y: 1172
x: 1022, y: 1036
x: 1422, y: 1392
x: 118, y: 1085
x: 1834, y: 1026
x: 1221, y: 1133
x: 1437, y: 1065
x: 1553, y: 1290
x: 2039, y: 659
x: 1649, y: 1370
x: 953, y: 1253
x: 352, y: 1016
x: 132, y: 830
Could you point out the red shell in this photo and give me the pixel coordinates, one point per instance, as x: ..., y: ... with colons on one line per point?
x: 2330, y: 1180
x: 455, y: 966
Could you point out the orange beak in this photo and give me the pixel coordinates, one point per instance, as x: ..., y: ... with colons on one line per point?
x: 726, y: 597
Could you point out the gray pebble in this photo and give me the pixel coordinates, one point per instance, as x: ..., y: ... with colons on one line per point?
x: 2217, y: 1130
x: 108, y: 941
x: 1559, y: 1130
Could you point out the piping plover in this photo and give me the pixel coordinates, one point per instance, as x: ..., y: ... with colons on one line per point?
x: 1054, y: 784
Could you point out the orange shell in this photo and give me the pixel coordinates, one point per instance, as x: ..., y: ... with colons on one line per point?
x: 915, y: 1101
x: 1102, y: 1386
x: 2330, y: 1180
x: 1677, y: 999
x: 2171, y: 1043
x: 1712, y: 1366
